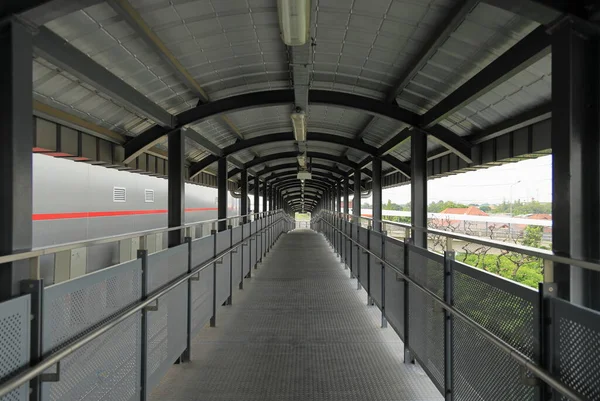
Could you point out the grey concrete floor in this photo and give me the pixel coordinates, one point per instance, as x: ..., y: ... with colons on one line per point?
x: 299, y: 330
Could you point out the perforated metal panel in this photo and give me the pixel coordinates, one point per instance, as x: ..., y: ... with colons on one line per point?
x: 577, y: 336
x: 363, y: 235
x: 482, y: 371
x: 166, y: 327
x: 237, y: 257
x: 14, y: 342
x: 108, y: 367
x: 202, y: 290
x: 223, y: 279
x: 375, y: 270
x: 247, y: 249
x: 394, y: 289
x: 355, y: 251
x: 426, y: 319
x: 203, y: 249
x: 253, y: 256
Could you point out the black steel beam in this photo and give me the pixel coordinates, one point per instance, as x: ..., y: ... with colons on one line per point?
x: 222, y: 193
x: 525, y: 119
x: 65, y: 56
x: 196, y: 168
x: 16, y: 137
x: 38, y: 12
x: 282, y: 97
x: 327, y: 179
x: 527, y: 51
x: 444, y: 29
x: 393, y: 142
x: 287, y: 166
x: 575, y: 167
x: 244, y: 195
x: 176, y: 186
x: 205, y: 143
x: 546, y: 12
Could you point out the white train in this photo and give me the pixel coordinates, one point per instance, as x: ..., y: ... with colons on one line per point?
x: 77, y: 201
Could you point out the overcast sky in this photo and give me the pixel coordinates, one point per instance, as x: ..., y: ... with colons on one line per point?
x: 527, y: 179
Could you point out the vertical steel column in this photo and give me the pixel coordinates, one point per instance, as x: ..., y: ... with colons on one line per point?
x: 256, y: 196
x: 176, y: 186
x: 346, y: 212
x: 346, y: 195
x: 418, y: 182
x: 264, y: 194
x: 222, y: 193
x: 575, y: 152
x: 377, y: 195
x: 16, y: 137
x: 356, y: 200
x: 244, y: 195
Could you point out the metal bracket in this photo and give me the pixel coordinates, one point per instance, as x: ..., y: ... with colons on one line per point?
x: 234, y: 251
x: 220, y: 261
x: 527, y: 378
x: 245, y: 244
x: 399, y: 277
x: 196, y: 277
x: 51, y: 377
x: 152, y: 308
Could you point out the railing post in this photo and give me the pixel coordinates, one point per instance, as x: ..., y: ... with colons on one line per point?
x: 345, y: 242
x: 35, y: 288
x: 213, y: 318
x: 351, y: 248
x: 241, y: 250
x: 545, y: 341
x: 358, y: 253
x: 230, y: 298
x: 448, y: 325
x: 143, y: 255
x: 256, y: 245
x: 383, y: 318
x: 408, y: 358
x: 369, y: 297
x: 250, y: 238
x: 186, y: 355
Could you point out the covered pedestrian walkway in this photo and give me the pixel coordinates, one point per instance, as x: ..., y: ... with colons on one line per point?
x: 298, y: 331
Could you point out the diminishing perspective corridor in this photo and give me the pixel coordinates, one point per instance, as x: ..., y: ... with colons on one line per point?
x: 299, y: 330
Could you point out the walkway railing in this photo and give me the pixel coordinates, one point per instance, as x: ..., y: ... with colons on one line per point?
x: 113, y: 334
x: 478, y: 336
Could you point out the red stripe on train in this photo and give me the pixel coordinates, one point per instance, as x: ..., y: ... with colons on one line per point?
x: 87, y: 215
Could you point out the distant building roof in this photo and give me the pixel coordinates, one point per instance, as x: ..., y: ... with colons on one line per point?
x: 471, y: 211
x: 540, y: 216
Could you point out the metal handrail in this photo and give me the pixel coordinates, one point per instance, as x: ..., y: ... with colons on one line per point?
x: 525, y: 250
x: 48, y: 250
x: 512, y: 352
x: 35, y: 370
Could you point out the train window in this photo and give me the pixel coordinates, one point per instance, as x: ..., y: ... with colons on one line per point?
x: 119, y: 194
x: 149, y: 195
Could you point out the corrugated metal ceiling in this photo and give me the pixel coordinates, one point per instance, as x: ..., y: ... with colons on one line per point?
x: 232, y: 47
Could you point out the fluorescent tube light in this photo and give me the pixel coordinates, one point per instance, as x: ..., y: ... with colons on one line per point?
x: 294, y: 21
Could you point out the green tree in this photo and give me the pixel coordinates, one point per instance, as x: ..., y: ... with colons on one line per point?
x: 439, y: 206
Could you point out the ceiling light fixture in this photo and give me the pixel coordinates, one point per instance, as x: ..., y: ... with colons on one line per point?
x: 294, y: 21
x: 299, y: 124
